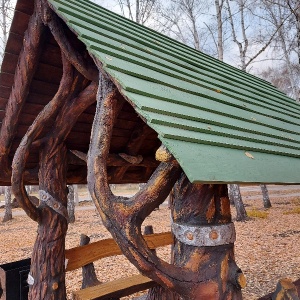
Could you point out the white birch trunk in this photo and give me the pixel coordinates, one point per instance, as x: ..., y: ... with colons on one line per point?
x: 8, y: 205
x: 71, y: 204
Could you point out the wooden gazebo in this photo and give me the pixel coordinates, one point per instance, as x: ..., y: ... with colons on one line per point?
x: 82, y: 84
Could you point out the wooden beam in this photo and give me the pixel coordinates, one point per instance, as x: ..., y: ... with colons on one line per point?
x: 198, y: 212
x: 83, y: 63
x: 83, y: 255
x: 116, y: 289
x: 134, y: 144
x: 21, y: 155
x: 113, y: 160
x: 123, y: 217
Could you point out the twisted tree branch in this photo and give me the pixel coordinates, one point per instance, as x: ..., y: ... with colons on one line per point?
x: 123, y: 217
x: 21, y: 155
x: 81, y: 63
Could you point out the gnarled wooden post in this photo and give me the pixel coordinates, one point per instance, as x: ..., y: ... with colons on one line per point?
x: 204, y: 237
x: 47, y: 274
x: 123, y: 217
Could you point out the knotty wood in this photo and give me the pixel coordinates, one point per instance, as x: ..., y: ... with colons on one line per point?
x: 83, y: 255
x: 114, y: 160
x: 118, y: 288
x: 21, y: 155
x: 47, y: 261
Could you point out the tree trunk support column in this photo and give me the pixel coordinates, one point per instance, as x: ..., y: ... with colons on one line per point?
x: 204, y: 239
x: 47, y: 273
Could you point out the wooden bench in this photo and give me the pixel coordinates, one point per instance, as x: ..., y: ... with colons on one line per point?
x: 83, y: 255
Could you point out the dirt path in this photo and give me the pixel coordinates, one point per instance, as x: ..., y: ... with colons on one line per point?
x: 267, y: 249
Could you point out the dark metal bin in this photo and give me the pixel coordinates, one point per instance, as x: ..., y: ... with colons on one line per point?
x: 13, y: 280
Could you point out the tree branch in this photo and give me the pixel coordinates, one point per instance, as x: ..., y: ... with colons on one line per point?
x: 25, y: 70
x: 122, y: 216
x: 21, y: 155
x: 88, y: 70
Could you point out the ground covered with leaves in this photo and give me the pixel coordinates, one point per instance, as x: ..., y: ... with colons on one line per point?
x: 267, y: 246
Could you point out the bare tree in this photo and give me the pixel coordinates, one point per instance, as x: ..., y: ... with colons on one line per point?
x: 76, y: 199
x: 265, y: 194
x: 240, y: 21
x: 184, y: 20
x: 236, y: 198
x: 8, y: 205
x: 219, y: 4
x: 139, y: 11
x: 71, y: 204
x: 284, y: 16
x: 6, y: 10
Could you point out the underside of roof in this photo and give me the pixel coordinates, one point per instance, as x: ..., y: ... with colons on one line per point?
x: 221, y: 124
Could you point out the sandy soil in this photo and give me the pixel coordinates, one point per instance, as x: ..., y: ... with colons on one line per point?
x: 266, y: 249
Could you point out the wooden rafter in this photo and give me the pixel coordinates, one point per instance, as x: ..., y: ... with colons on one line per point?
x: 133, y: 146
x: 82, y: 63
x: 113, y: 160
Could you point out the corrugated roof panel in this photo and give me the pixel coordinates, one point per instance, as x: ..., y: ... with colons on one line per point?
x: 209, y: 114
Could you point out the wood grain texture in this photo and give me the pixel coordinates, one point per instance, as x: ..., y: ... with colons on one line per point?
x: 80, y: 256
x: 118, y: 288
x: 213, y: 271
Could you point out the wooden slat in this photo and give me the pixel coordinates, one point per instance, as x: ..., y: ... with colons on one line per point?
x: 117, y: 288
x: 14, y: 43
x: 82, y: 255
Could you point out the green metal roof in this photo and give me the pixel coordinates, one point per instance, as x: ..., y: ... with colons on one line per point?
x: 221, y: 124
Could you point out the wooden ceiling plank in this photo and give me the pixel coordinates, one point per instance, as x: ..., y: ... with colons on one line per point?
x: 24, y: 73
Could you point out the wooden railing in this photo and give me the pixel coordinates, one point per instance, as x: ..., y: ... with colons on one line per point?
x: 83, y: 255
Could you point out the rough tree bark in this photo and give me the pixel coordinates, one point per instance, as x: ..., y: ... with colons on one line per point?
x: 123, y: 217
x: 202, y: 206
x: 46, y: 278
x: 8, y: 205
x: 47, y: 274
x: 158, y: 292
x: 71, y: 204
x: 236, y: 198
x: 265, y: 194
